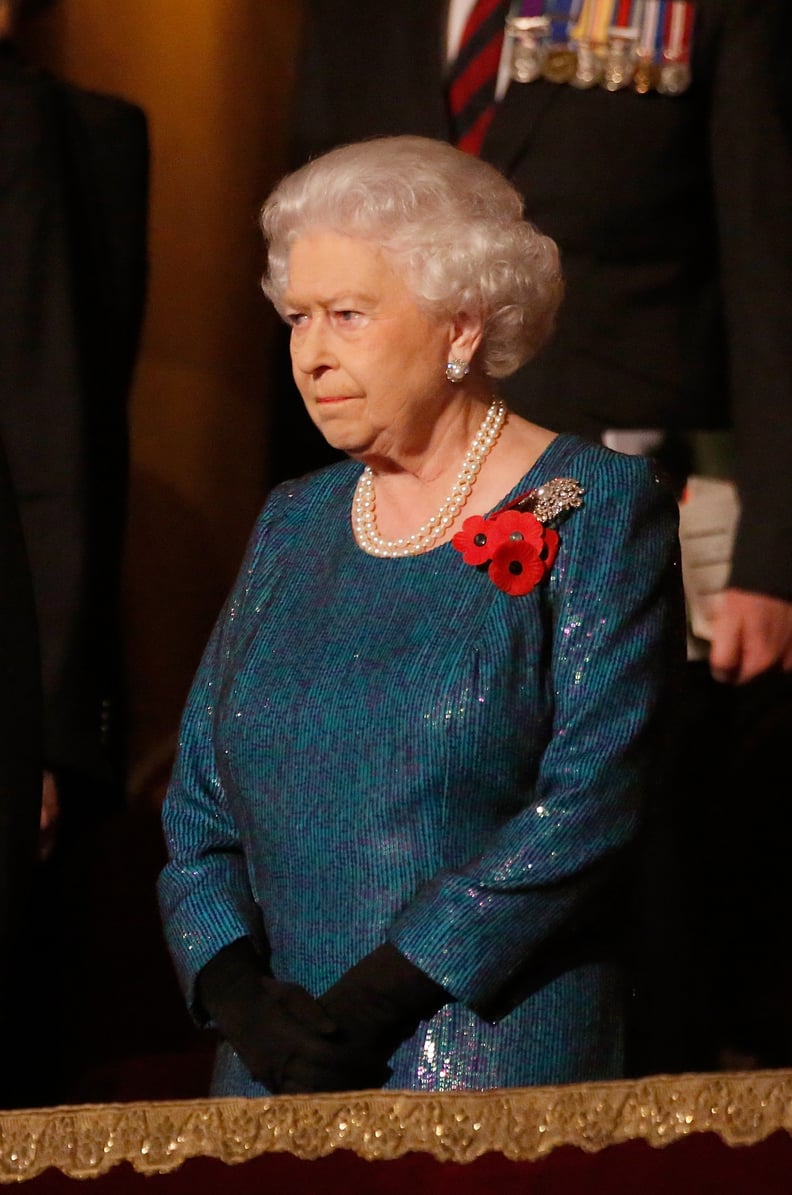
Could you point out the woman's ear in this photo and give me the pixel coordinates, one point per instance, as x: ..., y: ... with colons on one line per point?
x: 466, y: 332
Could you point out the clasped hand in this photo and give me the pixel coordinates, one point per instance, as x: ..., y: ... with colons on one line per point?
x: 292, y: 1045
x: 292, y: 1042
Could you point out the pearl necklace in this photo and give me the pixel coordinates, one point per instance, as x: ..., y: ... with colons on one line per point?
x: 364, y: 519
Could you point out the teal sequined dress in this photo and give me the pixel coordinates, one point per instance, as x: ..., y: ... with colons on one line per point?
x: 395, y: 748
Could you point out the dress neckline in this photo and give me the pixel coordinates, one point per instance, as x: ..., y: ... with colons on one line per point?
x: 561, y: 446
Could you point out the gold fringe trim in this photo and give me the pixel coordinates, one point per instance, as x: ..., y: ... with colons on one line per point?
x: 523, y: 1124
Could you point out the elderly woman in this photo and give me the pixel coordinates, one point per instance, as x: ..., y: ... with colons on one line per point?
x: 417, y: 751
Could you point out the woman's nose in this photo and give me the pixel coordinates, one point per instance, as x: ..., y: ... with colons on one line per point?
x: 311, y: 347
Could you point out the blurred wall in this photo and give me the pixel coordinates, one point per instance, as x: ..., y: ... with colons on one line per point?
x: 215, y: 79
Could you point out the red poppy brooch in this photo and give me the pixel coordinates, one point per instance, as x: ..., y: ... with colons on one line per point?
x: 513, y: 545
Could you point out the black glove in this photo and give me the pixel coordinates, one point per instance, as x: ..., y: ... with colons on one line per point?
x: 378, y: 1004
x: 281, y: 1033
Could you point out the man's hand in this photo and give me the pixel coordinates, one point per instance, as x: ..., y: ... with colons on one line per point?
x: 50, y: 816
x: 752, y: 633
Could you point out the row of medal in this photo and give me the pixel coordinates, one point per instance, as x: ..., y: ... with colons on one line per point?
x: 644, y: 45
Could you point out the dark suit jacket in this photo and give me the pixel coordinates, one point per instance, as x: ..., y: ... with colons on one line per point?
x: 20, y: 743
x: 73, y: 218
x: 673, y: 215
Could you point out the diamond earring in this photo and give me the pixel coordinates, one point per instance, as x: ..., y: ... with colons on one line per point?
x: 456, y: 370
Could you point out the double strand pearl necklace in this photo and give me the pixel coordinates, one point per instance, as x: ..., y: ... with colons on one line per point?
x: 364, y: 504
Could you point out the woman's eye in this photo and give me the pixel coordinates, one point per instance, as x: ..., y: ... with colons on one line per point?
x: 295, y: 318
x: 347, y: 317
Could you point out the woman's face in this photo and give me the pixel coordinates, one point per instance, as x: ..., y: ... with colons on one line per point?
x: 368, y: 362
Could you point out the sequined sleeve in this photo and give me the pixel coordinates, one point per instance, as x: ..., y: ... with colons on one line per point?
x: 617, y: 651
x: 204, y: 893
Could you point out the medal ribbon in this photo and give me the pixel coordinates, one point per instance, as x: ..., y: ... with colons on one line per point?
x: 650, y: 39
x: 621, y: 17
x: 563, y: 14
x: 595, y: 20
x: 678, y: 31
x: 629, y: 14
